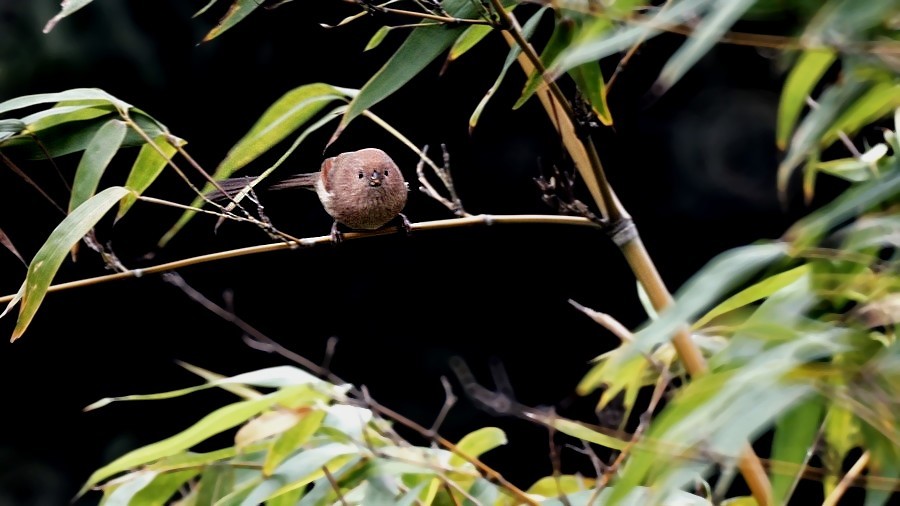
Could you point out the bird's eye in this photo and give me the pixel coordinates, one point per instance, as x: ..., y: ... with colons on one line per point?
x: 360, y: 175
x: 386, y: 172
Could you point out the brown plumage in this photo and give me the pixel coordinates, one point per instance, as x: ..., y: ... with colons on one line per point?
x: 360, y: 189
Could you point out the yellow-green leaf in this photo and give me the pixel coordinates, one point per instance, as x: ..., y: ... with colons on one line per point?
x: 292, y: 439
x: 874, y: 104
x: 51, y: 255
x: 467, y: 40
x: 377, y: 38
x: 148, y: 165
x: 219, y: 420
x: 478, y: 442
x: 580, y: 431
x: 798, y: 85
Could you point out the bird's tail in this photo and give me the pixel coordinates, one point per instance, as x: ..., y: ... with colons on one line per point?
x: 229, y: 189
x: 307, y: 181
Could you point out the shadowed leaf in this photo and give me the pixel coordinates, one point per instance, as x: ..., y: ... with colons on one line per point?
x: 51, y: 255
x: 795, y: 434
x: 721, y: 16
x: 4, y: 240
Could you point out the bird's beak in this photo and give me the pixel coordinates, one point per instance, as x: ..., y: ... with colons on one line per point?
x: 375, y: 178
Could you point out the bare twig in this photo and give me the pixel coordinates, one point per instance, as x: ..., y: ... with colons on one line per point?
x: 848, y: 478
x: 449, y: 401
x: 19, y: 172
x: 334, y: 485
x: 454, y: 204
x: 313, y: 241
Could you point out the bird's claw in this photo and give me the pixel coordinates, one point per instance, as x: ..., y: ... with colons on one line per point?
x: 336, y: 235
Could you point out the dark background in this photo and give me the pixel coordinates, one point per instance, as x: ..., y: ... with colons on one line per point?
x: 695, y: 167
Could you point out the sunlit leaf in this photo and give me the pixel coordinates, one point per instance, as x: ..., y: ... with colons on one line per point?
x: 123, y: 494
x: 271, y: 377
x: 806, y: 138
x: 795, y: 434
x: 219, y: 420
x: 850, y: 169
x: 10, y: 127
x: 554, y: 486
x: 799, y: 84
x: 721, y: 16
x: 67, y: 8
x: 204, y: 8
x: 73, y: 94
x: 46, y: 262
x: 759, y: 291
x: 876, y: 103
x: 478, y: 442
x: 148, y: 165
x: 482, y: 492
x: 237, y: 12
x: 467, y: 40
x: 162, y: 488
x: 266, y: 425
x: 583, y: 432
x: 300, y: 470
x: 292, y: 439
x: 97, y: 155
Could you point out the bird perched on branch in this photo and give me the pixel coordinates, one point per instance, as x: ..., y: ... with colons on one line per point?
x: 361, y: 190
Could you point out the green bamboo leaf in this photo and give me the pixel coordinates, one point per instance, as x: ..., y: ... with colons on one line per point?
x: 97, y: 155
x: 799, y: 84
x: 585, y: 433
x: 603, y: 44
x: 561, y: 38
x: 850, y: 169
x: 300, y: 470
x: 806, y: 138
x: 527, y: 31
x: 123, y: 494
x: 423, y: 45
x: 51, y: 255
x: 270, y: 377
x: 754, y: 293
x: 218, y: 421
x: 292, y: 439
x: 239, y: 10
x: 204, y: 8
x: 215, y: 483
x: 68, y: 7
x: 852, y: 202
x: 878, y: 102
x: 288, y: 113
x: 161, y: 489
x: 554, y: 486
x: 73, y: 94
x: 377, y: 38
x: 589, y: 80
x: 478, y: 442
x: 51, y: 116
x: 721, y: 16
x: 71, y: 136
x: 482, y: 492
x: 795, y: 434
x: 148, y: 165
x: 714, y: 280
x: 467, y: 40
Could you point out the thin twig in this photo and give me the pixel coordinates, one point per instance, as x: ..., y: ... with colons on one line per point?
x: 449, y: 401
x: 334, y: 485
x: 319, y: 240
x: 848, y: 478
x: 19, y: 172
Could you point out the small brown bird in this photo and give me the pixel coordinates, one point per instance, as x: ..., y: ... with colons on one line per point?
x: 361, y: 190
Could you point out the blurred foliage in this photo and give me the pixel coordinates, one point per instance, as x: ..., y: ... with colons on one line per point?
x: 800, y: 333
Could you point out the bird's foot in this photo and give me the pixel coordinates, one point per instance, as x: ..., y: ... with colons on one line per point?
x: 336, y: 235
